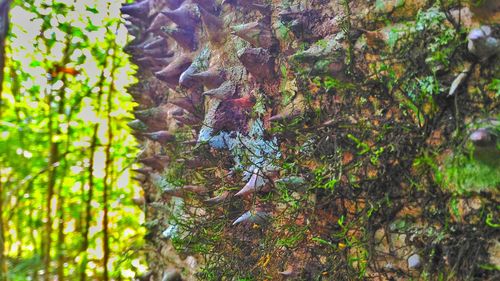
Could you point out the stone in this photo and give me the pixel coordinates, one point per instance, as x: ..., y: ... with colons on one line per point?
x: 414, y: 262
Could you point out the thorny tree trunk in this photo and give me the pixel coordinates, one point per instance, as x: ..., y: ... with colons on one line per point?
x: 331, y: 118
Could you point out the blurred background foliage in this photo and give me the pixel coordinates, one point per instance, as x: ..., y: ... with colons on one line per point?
x: 65, y: 156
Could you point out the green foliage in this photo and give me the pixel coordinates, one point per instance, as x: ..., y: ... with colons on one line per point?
x: 331, y: 83
x: 495, y: 86
x: 62, y: 106
x: 462, y: 174
x: 282, y: 31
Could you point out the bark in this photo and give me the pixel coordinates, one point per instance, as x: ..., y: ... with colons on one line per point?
x: 352, y: 92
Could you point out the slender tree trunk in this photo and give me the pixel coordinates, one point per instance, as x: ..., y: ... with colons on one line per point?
x: 107, y: 176
x: 4, y: 27
x: 90, y: 171
x: 60, y: 207
x: 54, y: 151
x: 32, y: 227
x: 109, y: 162
x: 60, y: 236
x: 88, y: 204
x: 54, y: 157
x: 20, y: 233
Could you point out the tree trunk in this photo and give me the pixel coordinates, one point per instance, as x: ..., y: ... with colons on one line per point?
x: 54, y: 158
x: 287, y: 139
x: 90, y: 171
x: 4, y: 28
x: 88, y: 204
x: 60, y: 235
x: 108, y: 180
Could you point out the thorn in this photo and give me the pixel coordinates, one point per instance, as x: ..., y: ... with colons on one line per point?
x: 154, y: 63
x: 188, y: 120
x: 164, y: 61
x: 257, y: 217
x: 158, y: 52
x: 155, y: 118
x: 137, y: 46
x: 186, y: 80
x: 162, y: 137
x: 140, y: 179
x: 145, y: 100
x: 157, y: 162
x: 186, y: 16
x: 209, y: 78
x: 171, y: 73
x: 137, y: 10
x: 145, y: 171
x: 157, y: 42
x: 147, y: 115
x: 256, y: 33
x: 215, y: 27
x: 137, y: 125
x: 158, y: 22
x: 254, y: 184
x: 134, y: 30
x: 226, y: 90
x: 258, y: 62
x: 185, y: 38
x: 219, y: 199
x: 177, y: 112
x: 186, y: 104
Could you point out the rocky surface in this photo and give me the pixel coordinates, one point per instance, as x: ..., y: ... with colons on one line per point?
x: 317, y: 140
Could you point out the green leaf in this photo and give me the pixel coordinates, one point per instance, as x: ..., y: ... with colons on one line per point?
x: 91, y: 9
